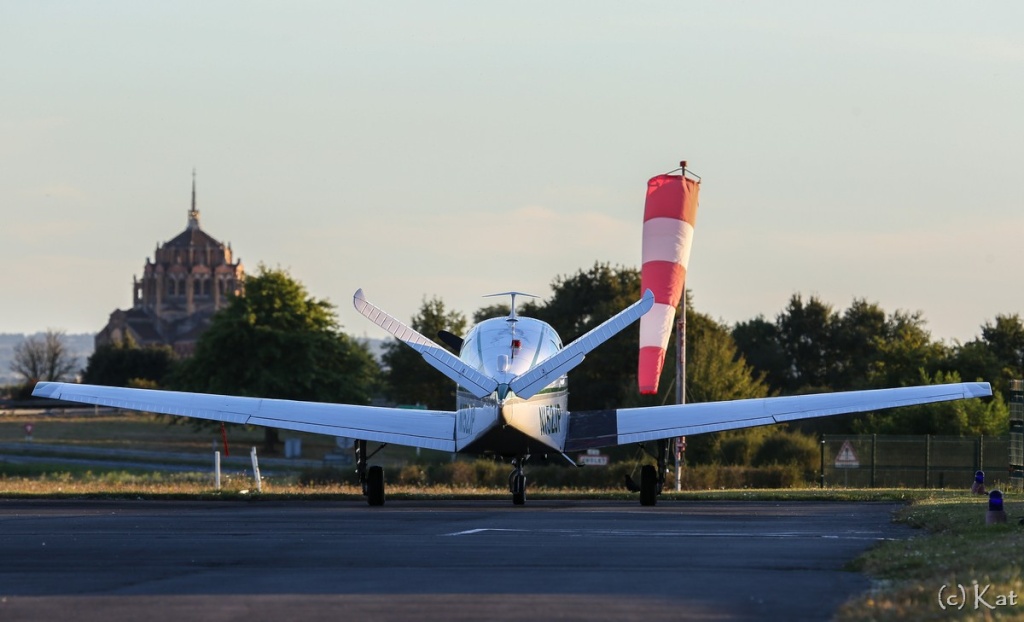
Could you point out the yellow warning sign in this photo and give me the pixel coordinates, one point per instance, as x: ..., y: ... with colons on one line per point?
x: 846, y: 458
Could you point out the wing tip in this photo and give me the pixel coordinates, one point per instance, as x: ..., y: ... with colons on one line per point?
x: 46, y: 389
x: 979, y: 389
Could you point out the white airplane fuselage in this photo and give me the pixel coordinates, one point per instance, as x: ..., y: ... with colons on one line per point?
x: 502, y: 423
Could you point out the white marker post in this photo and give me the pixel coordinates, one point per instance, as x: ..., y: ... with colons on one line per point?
x: 256, y: 470
x: 216, y: 469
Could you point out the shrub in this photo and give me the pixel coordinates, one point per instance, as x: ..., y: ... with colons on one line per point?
x: 789, y: 448
x: 412, y: 475
x: 324, y: 476
x: 738, y: 450
x: 713, y: 476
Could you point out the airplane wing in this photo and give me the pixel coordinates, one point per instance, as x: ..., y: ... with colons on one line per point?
x: 591, y: 429
x: 429, y: 429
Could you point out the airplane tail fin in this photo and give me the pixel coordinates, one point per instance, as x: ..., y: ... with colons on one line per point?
x: 525, y: 385
x: 440, y: 359
x: 528, y: 384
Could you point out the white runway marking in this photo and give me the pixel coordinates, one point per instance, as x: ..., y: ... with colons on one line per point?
x: 470, y: 532
x: 638, y: 533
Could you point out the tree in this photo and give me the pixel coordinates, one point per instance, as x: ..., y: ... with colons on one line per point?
x: 781, y: 446
x: 757, y: 340
x: 581, y: 302
x: 805, y: 334
x: 716, y: 371
x: 975, y: 360
x: 43, y: 359
x: 490, y: 311
x: 955, y: 418
x: 905, y: 352
x: 1004, y: 339
x: 124, y: 364
x: 410, y: 380
x: 277, y: 341
x: 856, y: 337
x: 812, y: 347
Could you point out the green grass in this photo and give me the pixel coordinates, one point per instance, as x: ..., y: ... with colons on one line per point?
x: 148, y: 432
x: 132, y: 430
x: 955, y: 547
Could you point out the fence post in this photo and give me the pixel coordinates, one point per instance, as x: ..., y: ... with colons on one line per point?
x: 981, y: 452
x: 256, y: 470
x: 822, y: 482
x: 874, y: 455
x: 928, y: 461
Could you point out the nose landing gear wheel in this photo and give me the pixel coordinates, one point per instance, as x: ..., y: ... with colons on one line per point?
x: 518, y: 489
x: 517, y: 484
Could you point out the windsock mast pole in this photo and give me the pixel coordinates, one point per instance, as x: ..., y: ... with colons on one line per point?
x: 680, y: 360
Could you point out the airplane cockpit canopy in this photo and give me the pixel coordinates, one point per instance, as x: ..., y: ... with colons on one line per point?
x: 504, y: 348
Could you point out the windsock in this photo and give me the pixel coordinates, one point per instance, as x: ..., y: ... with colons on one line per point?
x: 669, y: 215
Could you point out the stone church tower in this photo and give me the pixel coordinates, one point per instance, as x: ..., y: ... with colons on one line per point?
x: 190, y: 278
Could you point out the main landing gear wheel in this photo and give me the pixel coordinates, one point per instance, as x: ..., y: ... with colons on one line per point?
x: 648, y: 485
x: 375, y: 485
x: 652, y: 478
x: 371, y: 477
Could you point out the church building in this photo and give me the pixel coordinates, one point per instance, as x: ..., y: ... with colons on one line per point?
x: 190, y: 278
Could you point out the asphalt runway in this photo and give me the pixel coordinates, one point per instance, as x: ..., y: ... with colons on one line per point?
x: 432, y: 560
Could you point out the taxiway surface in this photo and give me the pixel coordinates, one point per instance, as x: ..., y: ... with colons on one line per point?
x: 427, y: 560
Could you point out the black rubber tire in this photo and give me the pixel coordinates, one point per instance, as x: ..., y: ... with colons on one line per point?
x: 648, y: 485
x: 518, y: 486
x: 375, y: 485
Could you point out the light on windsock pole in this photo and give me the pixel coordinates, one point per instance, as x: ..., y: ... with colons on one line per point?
x: 669, y: 215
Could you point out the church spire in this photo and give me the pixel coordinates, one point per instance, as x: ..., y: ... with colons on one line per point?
x: 193, y: 214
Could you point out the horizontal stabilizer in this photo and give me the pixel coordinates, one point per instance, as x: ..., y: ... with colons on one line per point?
x: 544, y: 373
x: 440, y: 359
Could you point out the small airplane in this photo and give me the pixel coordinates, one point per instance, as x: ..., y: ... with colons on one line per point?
x: 512, y: 402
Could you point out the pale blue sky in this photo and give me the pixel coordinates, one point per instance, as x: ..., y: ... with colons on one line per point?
x: 854, y: 149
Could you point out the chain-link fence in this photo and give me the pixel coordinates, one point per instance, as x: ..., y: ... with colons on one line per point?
x: 881, y: 461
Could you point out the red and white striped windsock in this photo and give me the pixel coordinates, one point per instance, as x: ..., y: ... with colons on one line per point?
x: 669, y: 215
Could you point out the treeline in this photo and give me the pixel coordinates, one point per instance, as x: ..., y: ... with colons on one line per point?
x: 812, y: 347
x: 279, y: 341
